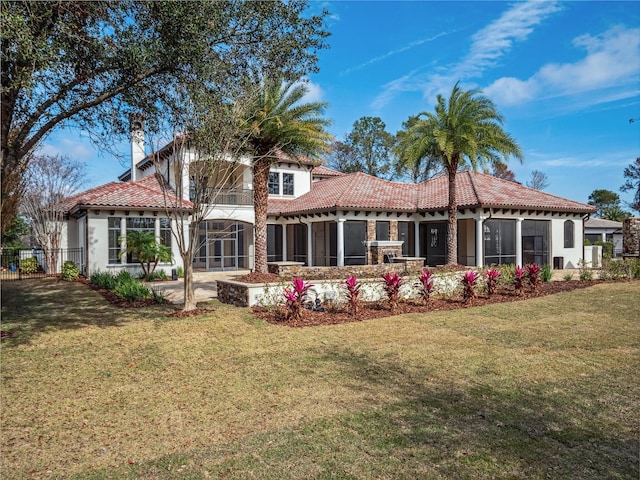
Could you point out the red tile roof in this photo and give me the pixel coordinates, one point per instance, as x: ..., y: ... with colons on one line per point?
x: 322, y: 171
x: 360, y: 191
x: 145, y: 193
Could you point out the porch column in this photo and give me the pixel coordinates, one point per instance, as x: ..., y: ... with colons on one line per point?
x: 479, y: 241
x: 519, y: 241
x: 284, y: 243
x: 157, y: 229
x: 340, y: 241
x: 309, y: 245
x: 416, y: 238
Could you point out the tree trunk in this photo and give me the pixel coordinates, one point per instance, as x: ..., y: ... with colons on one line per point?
x: 452, y: 226
x: 260, y: 197
x: 189, y: 295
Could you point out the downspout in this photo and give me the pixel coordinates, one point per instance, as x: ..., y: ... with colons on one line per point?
x: 86, y: 245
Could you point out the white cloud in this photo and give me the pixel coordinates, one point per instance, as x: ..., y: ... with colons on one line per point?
x: 488, y: 46
x: 75, y: 148
x: 314, y: 92
x: 612, y: 60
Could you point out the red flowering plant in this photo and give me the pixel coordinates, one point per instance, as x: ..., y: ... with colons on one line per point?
x: 353, y: 292
x: 518, y: 279
x: 533, y: 273
x: 392, y: 283
x: 492, y: 276
x: 295, y: 298
x: 469, y: 280
x: 426, y: 280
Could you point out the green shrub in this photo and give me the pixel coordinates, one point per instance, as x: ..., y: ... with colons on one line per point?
x: 123, y: 276
x: 158, y: 296
x: 568, y: 277
x: 70, y: 271
x: 132, y: 290
x: 546, y: 272
x: 634, y: 264
x: 159, y: 275
x: 180, y: 271
x: 103, y: 280
x: 586, y: 274
x: 507, y: 274
x: 29, y: 265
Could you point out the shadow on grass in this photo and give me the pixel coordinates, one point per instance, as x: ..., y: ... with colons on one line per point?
x: 32, y: 307
x: 412, y: 424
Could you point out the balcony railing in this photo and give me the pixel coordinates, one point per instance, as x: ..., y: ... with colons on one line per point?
x: 225, y: 196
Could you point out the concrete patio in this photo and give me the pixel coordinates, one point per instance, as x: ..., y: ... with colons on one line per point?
x: 204, y: 284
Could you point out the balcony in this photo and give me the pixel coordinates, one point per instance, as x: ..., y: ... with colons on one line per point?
x: 225, y: 196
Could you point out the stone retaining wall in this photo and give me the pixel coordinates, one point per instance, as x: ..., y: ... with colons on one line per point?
x: 400, y: 266
x: 269, y: 294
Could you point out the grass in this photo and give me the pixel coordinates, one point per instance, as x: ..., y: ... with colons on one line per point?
x: 543, y: 388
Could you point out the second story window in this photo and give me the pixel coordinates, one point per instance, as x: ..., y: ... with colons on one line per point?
x: 287, y: 183
x: 274, y: 183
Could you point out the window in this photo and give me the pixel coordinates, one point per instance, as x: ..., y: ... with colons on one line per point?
x: 140, y: 224
x: 382, y: 230
x: 165, y: 232
x: 274, y: 183
x: 355, y: 233
x: 114, y: 243
x: 287, y: 183
x: 274, y: 243
x: 568, y: 234
x: 499, y: 242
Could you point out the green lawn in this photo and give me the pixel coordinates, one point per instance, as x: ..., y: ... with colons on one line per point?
x: 544, y: 388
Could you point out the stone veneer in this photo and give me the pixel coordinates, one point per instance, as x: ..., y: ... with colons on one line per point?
x: 238, y: 293
x: 631, y: 237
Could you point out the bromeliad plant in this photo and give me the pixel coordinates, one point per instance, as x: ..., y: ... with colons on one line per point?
x: 392, y: 283
x: 533, y: 273
x: 353, y: 293
x: 518, y: 279
x: 469, y: 280
x: 295, y: 298
x: 426, y: 280
x: 492, y: 276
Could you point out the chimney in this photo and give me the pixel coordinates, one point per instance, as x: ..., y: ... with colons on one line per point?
x: 137, y: 142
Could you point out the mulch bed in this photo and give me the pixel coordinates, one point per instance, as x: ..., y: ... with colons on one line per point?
x: 369, y: 311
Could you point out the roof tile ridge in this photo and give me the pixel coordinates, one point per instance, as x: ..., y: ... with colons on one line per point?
x: 534, y: 190
x: 472, y: 179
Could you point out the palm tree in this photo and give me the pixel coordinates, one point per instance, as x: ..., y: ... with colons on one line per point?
x: 279, y: 124
x: 464, y: 131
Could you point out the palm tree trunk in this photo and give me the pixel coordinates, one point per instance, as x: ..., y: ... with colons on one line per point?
x: 452, y: 226
x: 260, y: 197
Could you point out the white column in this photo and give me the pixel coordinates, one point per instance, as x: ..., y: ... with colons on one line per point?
x: 284, y: 243
x: 309, y: 245
x: 519, y: 241
x: 479, y: 241
x: 416, y: 238
x: 157, y: 229
x: 340, y: 241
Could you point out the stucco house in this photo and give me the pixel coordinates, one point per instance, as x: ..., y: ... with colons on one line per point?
x: 602, y: 230
x: 320, y: 217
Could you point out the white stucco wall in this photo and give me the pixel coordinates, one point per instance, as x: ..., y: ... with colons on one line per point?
x: 98, y: 245
x: 301, y: 179
x: 571, y: 256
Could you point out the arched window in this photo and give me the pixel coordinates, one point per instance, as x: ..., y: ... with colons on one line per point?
x: 568, y: 234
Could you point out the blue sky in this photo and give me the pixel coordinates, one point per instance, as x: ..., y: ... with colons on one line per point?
x: 566, y: 76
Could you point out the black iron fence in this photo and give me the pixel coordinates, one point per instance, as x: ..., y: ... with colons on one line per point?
x: 18, y: 264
